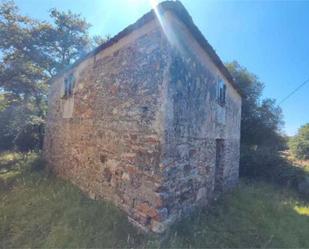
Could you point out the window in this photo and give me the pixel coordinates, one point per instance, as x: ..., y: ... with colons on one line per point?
x: 221, y: 92
x: 69, y: 83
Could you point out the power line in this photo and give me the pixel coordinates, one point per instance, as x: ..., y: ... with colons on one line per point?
x: 294, y: 91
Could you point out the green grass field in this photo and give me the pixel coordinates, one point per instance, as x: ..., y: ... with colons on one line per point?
x: 38, y: 210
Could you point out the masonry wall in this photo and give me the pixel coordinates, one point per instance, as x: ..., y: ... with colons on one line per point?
x: 106, y: 138
x: 140, y: 129
x: 193, y: 122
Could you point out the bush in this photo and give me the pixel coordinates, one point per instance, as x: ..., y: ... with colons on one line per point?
x: 258, y: 162
x: 299, y: 145
x: 20, y: 129
x: 13, y: 165
x: 267, y: 164
x: 30, y: 136
x: 261, y: 122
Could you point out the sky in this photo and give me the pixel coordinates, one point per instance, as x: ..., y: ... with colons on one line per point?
x: 269, y: 38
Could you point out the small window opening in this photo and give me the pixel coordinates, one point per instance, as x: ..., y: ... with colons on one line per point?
x: 69, y: 83
x: 221, y: 92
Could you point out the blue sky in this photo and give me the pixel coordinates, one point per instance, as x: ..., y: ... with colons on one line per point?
x: 269, y: 38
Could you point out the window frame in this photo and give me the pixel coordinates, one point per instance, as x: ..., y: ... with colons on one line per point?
x: 221, y: 92
x: 69, y: 84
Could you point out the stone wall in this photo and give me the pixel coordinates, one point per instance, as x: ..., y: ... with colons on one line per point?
x: 192, y: 128
x: 194, y: 121
x: 141, y: 127
x: 106, y: 137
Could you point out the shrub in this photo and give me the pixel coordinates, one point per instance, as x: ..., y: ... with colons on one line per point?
x: 266, y: 163
x: 20, y: 129
x: 299, y: 144
x: 258, y: 162
x: 30, y: 136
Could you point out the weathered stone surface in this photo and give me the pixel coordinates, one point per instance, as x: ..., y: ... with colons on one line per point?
x: 143, y: 124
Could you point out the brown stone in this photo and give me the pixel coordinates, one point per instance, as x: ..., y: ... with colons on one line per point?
x: 146, y: 209
x: 145, y: 126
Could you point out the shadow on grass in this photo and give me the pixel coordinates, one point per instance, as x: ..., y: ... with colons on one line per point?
x: 14, y: 164
x: 289, y: 174
x: 267, y: 164
x: 45, y: 212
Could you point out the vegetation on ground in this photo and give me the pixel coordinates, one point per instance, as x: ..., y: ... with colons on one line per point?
x: 255, y: 215
x: 39, y: 210
x: 31, y: 53
x: 299, y: 144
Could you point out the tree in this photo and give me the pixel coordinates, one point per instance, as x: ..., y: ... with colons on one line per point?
x: 261, y: 119
x: 31, y: 52
x: 99, y: 40
x: 299, y: 144
x: 66, y: 41
x: 261, y: 123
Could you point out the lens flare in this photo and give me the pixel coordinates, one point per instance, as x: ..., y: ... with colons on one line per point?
x: 166, y: 24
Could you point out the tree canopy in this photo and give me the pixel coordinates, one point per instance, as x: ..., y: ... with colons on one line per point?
x: 261, y: 119
x: 31, y: 52
x: 261, y: 122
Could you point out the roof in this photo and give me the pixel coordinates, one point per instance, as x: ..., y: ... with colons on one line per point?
x: 177, y: 8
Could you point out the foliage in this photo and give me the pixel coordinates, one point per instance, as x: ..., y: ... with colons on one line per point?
x: 30, y: 135
x: 20, y: 129
x: 259, y: 161
x: 267, y: 164
x: 261, y: 119
x: 99, y: 40
x: 261, y: 123
x: 13, y: 165
x: 299, y: 144
x: 42, y: 211
x: 31, y: 52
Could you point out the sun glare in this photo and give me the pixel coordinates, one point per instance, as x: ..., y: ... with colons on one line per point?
x: 152, y: 3
x: 134, y: 2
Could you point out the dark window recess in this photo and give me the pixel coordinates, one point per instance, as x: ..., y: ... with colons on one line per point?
x: 69, y: 83
x: 221, y: 92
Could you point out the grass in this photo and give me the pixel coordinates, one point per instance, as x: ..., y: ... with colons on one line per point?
x: 254, y: 215
x: 38, y: 210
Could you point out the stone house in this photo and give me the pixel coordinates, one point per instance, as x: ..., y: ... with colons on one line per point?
x: 149, y: 120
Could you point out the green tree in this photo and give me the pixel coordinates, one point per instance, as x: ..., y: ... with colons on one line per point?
x: 261, y: 119
x: 31, y: 52
x: 261, y: 123
x: 99, y: 40
x: 299, y: 144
